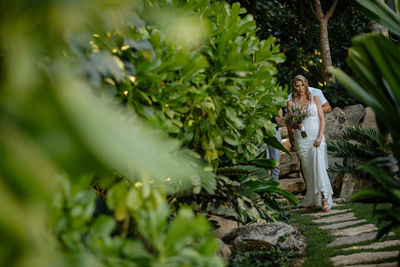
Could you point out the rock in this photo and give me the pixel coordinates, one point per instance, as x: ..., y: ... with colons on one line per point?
x: 362, y: 257
x: 224, y: 250
x: 327, y: 213
x: 285, y: 158
x: 346, y: 240
x: 369, y: 120
x: 293, y: 175
x: 386, y: 264
x: 376, y: 245
x: 286, y: 144
x: 341, y: 224
x: 354, y: 114
x: 261, y: 236
x: 336, y: 218
x: 335, y: 123
x: 293, y: 185
x: 289, y: 167
x: 366, y: 228
x: 331, y: 161
x: 346, y: 184
x: 225, y: 226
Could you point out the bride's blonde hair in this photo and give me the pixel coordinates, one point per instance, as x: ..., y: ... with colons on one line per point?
x: 305, y: 82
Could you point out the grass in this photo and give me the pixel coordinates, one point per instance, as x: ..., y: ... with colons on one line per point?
x: 317, y: 252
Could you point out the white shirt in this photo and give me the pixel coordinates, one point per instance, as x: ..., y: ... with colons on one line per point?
x: 314, y: 92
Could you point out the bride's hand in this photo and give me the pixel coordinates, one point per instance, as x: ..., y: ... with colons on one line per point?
x: 317, y: 142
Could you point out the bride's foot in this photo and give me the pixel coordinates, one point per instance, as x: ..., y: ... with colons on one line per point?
x: 325, y: 205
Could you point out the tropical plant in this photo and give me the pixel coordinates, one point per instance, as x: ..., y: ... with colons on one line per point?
x: 216, y: 93
x: 274, y: 256
x: 244, y: 192
x: 136, y: 229
x: 57, y: 138
x: 356, y: 145
x: 375, y: 59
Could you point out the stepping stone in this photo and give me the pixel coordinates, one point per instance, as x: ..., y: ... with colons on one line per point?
x: 324, y: 213
x: 386, y: 264
x: 362, y: 257
x: 346, y: 240
x: 366, y: 228
x: 289, y: 167
x: 340, y: 225
x: 377, y: 245
x: 336, y: 218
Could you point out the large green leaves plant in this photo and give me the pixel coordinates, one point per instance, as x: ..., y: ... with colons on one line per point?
x: 356, y: 145
x: 244, y: 192
x: 216, y: 95
x: 53, y: 126
x: 375, y: 61
x: 135, y: 229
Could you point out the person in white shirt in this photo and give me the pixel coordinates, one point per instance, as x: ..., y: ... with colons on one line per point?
x: 326, y: 108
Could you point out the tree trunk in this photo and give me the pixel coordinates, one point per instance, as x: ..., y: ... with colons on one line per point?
x: 325, y: 51
x: 323, y: 20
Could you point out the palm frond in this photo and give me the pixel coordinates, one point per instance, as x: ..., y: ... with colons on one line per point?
x: 369, y: 137
x: 344, y: 149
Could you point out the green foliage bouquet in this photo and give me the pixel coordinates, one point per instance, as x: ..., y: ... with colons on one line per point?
x: 296, y: 114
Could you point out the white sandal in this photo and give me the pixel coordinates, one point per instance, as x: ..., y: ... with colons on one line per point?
x: 325, y: 205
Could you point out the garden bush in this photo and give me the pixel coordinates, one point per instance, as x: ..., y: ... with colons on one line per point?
x: 215, y: 93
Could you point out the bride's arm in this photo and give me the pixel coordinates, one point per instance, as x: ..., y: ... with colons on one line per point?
x: 321, y: 117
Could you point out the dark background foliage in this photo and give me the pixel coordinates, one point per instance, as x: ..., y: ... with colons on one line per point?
x: 295, y: 25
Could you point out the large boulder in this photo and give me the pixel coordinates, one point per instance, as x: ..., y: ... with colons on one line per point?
x: 224, y: 250
x: 369, y: 120
x: 354, y: 114
x: 332, y: 161
x: 346, y: 184
x: 261, y: 236
x: 223, y: 226
x: 335, y: 123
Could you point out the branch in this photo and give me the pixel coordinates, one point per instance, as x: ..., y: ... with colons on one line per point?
x: 312, y: 8
x: 318, y: 7
x: 331, y: 10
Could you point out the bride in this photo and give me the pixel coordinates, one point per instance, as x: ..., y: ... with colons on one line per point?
x: 311, y: 149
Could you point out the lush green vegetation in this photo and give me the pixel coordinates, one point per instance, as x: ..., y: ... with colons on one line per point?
x: 210, y: 94
x: 373, y: 60
x: 115, y: 117
x: 356, y: 145
x: 89, y: 175
x: 275, y: 256
x: 317, y: 252
x: 301, y: 43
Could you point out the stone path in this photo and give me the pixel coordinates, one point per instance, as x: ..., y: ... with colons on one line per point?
x: 349, y: 231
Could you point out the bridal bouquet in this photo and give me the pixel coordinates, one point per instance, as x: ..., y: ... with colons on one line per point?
x: 295, y: 115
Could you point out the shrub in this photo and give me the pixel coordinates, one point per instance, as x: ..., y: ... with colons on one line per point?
x: 218, y: 96
x: 275, y: 256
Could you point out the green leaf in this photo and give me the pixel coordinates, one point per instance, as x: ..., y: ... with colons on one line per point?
x: 381, y: 13
x: 103, y: 226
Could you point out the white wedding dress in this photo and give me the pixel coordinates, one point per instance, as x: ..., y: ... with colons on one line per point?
x: 313, y: 161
